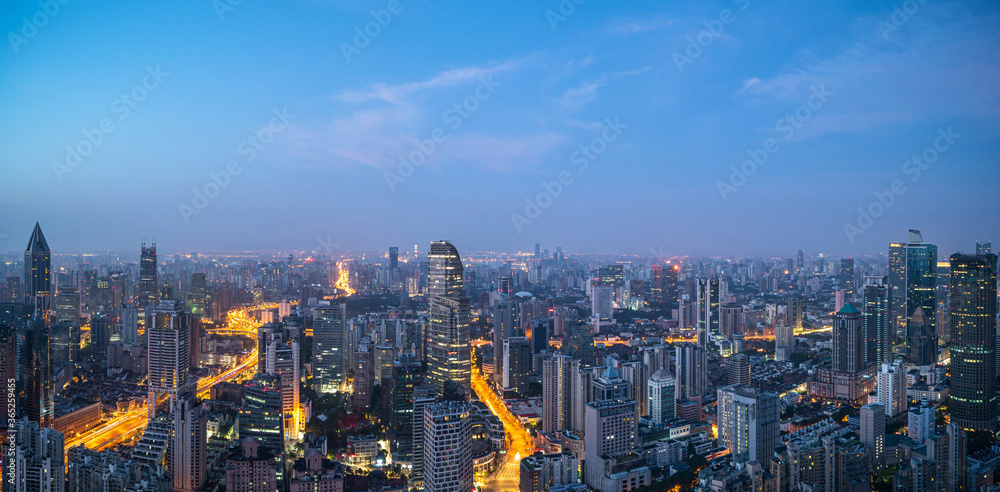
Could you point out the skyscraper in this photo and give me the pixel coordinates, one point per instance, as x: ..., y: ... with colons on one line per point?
x: 892, y: 389
x: 37, y: 273
x: 516, y: 364
x: 692, y: 369
x: 897, y: 283
x: 602, y: 301
x: 423, y: 396
x: 873, y: 432
x: 920, y: 343
x: 973, y: 341
x: 393, y: 257
x: 984, y: 247
x: 793, y: 313
x: 848, y: 340
x: 708, y: 310
x: 404, y: 380
x: 662, y: 397
x: 880, y: 333
x: 189, y: 436
x: 739, y: 369
x: 921, y: 281
x: 36, y: 374
x: 148, y: 278
x: 748, y: 421
x: 39, y: 459
x: 612, y: 431
x: 329, y: 347
x: 558, y: 375
x: 656, y: 283
x: 449, y: 356
x: 847, y: 276
x: 447, y: 447
x: 168, y: 338
x: 261, y: 416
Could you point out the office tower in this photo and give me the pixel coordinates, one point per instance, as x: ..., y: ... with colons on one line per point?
x: 748, y: 421
x: 610, y: 385
x: 636, y: 374
x: 873, y: 433
x: 329, y: 347
x: 107, y: 471
x: 449, y: 356
x: 897, y: 283
x: 129, y: 324
x: 731, y: 319
x: 800, y: 262
x: 784, y: 341
x: 405, y: 378
x: 384, y: 356
x: 848, y: 340
x: 656, y: 283
x: 280, y: 356
x: 8, y: 359
x: 793, y: 313
x: 879, y: 330
x: 261, y: 417
x: 67, y: 306
x: 542, y: 472
x: 39, y: 458
x: 692, y: 371
x: 187, y: 456
x: 921, y: 292
x: 662, y: 397
x: 364, y: 375
x: 669, y: 293
x: 920, y: 421
x: 581, y: 392
x: 892, y: 389
x: 602, y: 302
x: 423, y: 396
x: 921, y: 345
x: 839, y: 299
x: 252, y: 466
x: 739, y: 369
x: 708, y: 310
x: 516, y: 364
x: 847, y: 277
x: 504, y: 325
x: 38, y: 274
x: 393, y: 257
x: 100, y: 335
x: 36, y: 375
x: 558, y: 376
x: 973, y: 341
x: 447, y: 447
x: 984, y: 247
x: 538, y: 335
x: 168, y: 338
x: 613, y: 275
x: 149, y: 293
x: 612, y: 431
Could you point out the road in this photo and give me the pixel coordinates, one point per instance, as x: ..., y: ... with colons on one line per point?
x: 127, y: 426
x: 519, y: 443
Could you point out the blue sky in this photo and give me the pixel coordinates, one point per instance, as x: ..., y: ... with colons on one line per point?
x: 892, y: 82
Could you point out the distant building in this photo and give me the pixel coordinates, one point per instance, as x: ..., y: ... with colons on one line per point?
x: 662, y: 397
x: 738, y: 368
x: 330, y: 347
x: 748, y: 421
x: 873, y: 433
x: 516, y: 364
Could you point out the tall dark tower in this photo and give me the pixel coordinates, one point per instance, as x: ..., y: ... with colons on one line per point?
x: 848, y: 340
x: 36, y: 375
x: 880, y: 333
x: 393, y: 257
x: 847, y: 276
x: 973, y: 341
x: 921, y: 293
x: 37, y: 273
x: 449, y: 356
x: 148, y: 293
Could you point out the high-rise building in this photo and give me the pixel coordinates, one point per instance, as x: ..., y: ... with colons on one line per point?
x: 423, y: 396
x: 168, y: 338
x: 447, y: 447
x: 149, y: 293
x: 516, y: 364
x: 252, y: 466
x: 364, y: 375
x: 261, y: 416
x: 920, y: 421
x: 708, y: 310
x: 39, y: 458
x: 405, y: 378
x: 602, y: 302
x: 280, y: 356
x: 670, y: 284
x: 892, y: 389
x: 612, y: 431
x: 873, y: 433
x: 610, y: 385
x: 731, y: 322
x: 738, y: 368
x: 800, y: 262
x: 897, y: 283
x: 921, y: 292
x: 36, y: 374
x: 558, y: 376
x: 393, y: 257
x: 879, y: 329
x: 656, y: 283
x: 748, y: 421
x: 67, y: 305
x: 692, y: 371
x: 784, y: 341
x: 329, y: 347
x: 187, y: 456
x: 848, y: 340
x: 973, y: 341
x: 449, y: 356
x: 984, y: 247
x: 542, y: 472
x: 793, y: 313
x: 662, y: 397
x: 38, y: 274
x: 847, y: 276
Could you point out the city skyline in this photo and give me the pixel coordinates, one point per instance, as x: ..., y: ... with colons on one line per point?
x: 337, y: 121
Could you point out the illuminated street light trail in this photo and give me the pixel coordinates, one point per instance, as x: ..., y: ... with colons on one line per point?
x: 519, y: 443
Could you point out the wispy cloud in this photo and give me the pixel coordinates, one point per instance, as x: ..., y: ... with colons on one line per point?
x: 629, y: 73
x: 579, y: 96
x: 394, y: 93
x: 629, y: 26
